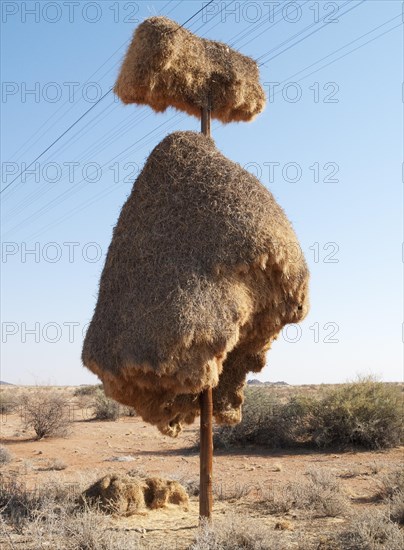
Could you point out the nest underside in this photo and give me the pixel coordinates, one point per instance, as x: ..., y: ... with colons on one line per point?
x: 203, y: 272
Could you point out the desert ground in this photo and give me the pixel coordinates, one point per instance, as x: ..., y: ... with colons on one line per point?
x: 259, y: 492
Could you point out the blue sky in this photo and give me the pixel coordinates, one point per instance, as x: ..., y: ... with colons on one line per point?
x: 328, y: 145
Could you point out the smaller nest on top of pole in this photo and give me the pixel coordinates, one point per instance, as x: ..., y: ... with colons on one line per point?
x: 203, y: 271
x: 168, y: 66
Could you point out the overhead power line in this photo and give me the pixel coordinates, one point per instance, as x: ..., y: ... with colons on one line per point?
x: 108, y: 191
x: 56, y: 140
x: 86, y: 113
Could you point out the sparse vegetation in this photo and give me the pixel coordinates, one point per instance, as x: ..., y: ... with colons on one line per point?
x: 46, y: 412
x: 87, y: 390
x: 350, y: 501
x: 372, y: 530
x: 390, y: 484
x: 5, y: 455
x: 391, y: 491
x: 365, y: 413
x: 52, y: 519
x: 396, y: 507
x: 9, y: 401
x: 104, y: 407
x: 321, y: 495
x: 236, y: 533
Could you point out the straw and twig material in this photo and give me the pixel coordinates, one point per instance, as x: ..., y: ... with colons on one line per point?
x: 202, y: 273
x: 166, y: 65
x: 125, y: 495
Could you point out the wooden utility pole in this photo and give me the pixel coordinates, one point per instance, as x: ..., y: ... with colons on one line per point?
x: 206, y: 405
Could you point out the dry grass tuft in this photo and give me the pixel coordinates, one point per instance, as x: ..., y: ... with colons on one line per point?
x: 9, y: 401
x: 371, y: 530
x: 5, y: 455
x: 391, y: 491
x: 320, y: 495
x: 237, y: 533
x: 166, y: 65
x: 202, y: 273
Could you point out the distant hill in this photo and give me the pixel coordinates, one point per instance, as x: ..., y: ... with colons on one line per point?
x: 256, y: 382
x: 5, y: 383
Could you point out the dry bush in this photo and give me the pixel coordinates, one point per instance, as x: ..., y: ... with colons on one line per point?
x: 49, y: 518
x: 86, y: 390
x: 371, y: 530
x: 237, y: 533
x: 20, y: 506
x: 46, y: 412
x: 5, y: 455
x: 390, y: 484
x: 104, y: 407
x: 391, y: 491
x: 88, y: 530
x: 396, y: 508
x: 258, y: 410
x: 9, y: 401
x: 279, y: 501
x: 269, y: 423
x: 320, y: 495
x: 365, y: 413
x: 236, y: 491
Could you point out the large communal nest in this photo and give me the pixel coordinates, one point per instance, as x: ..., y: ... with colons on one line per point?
x: 166, y: 65
x: 126, y: 495
x: 202, y: 273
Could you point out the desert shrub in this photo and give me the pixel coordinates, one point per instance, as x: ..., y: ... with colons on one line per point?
x: 391, y: 491
x: 257, y: 413
x: 269, y: 423
x: 128, y: 411
x: 236, y: 533
x: 371, y: 530
x: 52, y: 519
x: 88, y: 530
x: 87, y: 390
x: 9, y: 401
x: 46, y: 412
x: 19, y: 505
x: 390, y: 484
x: 320, y: 494
x: 396, y: 507
x: 104, y: 407
x: 365, y: 413
x: 5, y: 455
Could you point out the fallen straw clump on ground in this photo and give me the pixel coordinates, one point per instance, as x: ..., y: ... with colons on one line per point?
x: 126, y: 495
x: 168, y: 66
x: 202, y: 273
